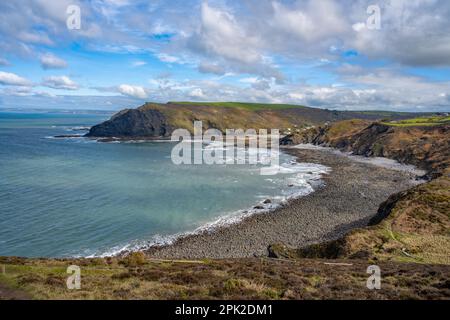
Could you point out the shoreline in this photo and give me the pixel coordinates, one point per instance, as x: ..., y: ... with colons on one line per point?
x: 266, y: 204
x: 328, y: 213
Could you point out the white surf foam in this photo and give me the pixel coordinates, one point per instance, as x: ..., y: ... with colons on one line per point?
x: 298, y: 179
x: 377, y: 161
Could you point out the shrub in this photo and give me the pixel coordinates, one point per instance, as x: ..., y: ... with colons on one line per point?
x: 134, y: 259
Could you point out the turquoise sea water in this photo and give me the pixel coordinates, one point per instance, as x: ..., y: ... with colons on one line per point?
x: 79, y: 197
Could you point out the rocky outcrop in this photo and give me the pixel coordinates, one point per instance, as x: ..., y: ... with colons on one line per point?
x: 412, y: 224
x: 427, y: 147
x: 159, y: 120
x: 148, y: 123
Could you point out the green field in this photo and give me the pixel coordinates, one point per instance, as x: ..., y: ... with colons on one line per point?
x: 275, y: 106
x: 421, y: 121
x: 242, y: 105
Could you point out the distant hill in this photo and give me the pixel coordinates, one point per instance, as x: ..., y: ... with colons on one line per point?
x: 154, y: 120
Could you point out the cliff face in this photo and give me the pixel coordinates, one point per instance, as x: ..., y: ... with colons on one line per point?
x: 133, y: 123
x: 427, y: 147
x: 159, y: 120
x: 413, y: 225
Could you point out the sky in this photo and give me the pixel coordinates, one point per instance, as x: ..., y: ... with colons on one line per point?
x: 320, y: 53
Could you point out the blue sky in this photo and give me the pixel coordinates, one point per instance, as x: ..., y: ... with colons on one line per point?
x: 318, y: 53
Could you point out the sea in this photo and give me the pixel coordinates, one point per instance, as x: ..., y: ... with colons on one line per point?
x: 78, y: 197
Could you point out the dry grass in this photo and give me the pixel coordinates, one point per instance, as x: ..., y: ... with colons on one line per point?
x: 225, y: 279
x: 415, y: 228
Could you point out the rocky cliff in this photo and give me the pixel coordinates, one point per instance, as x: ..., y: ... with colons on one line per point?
x: 427, y: 147
x: 159, y: 120
x: 133, y: 123
x: 412, y: 225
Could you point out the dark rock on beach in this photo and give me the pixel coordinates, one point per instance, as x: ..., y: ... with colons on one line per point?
x: 65, y: 136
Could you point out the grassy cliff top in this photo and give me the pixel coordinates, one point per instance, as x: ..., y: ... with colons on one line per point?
x: 138, y: 277
x: 420, y: 121
x: 281, y: 106
x: 241, y: 105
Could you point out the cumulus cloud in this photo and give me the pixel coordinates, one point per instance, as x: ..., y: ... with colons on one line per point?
x: 50, y: 61
x: 269, y: 42
x: 213, y: 68
x: 12, y: 79
x: 310, y: 21
x: 17, y: 91
x: 412, y: 32
x: 60, y: 82
x: 221, y: 34
x: 197, y: 93
x: 132, y: 91
x: 222, y: 37
x: 382, y: 89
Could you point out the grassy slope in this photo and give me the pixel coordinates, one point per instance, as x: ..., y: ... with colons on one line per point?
x: 416, y: 227
x: 225, y: 115
x: 240, y: 105
x: 183, y: 116
x: 421, y: 121
x: 137, y: 123
x: 416, y: 230
x: 279, y: 106
x: 136, y: 277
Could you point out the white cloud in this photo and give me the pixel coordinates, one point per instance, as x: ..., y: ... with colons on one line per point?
x: 197, y: 93
x: 249, y: 80
x: 223, y: 38
x: 221, y: 34
x: 35, y: 38
x: 314, y: 21
x: 381, y: 90
x: 359, y: 26
x: 296, y: 96
x: 412, y: 33
x: 167, y: 58
x: 50, y: 61
x: 11, y: 79
x: 259, y: 41
x: 138, y: 63
x: 132, y: 91
x: 60, y: 82
x: 206, y: 67
x: 17, y: 91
